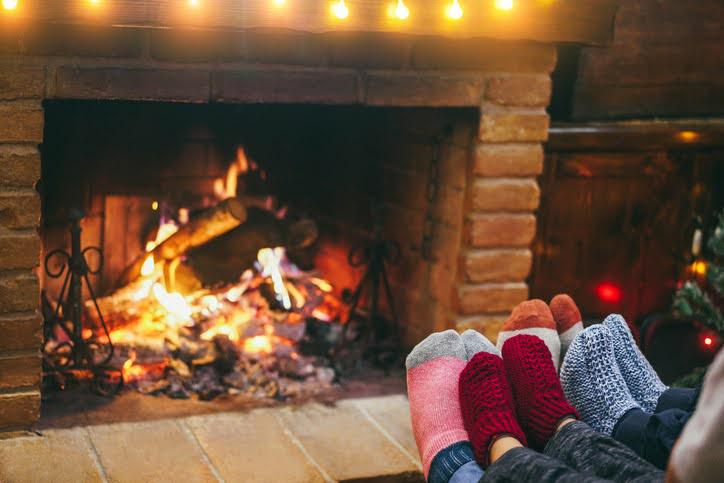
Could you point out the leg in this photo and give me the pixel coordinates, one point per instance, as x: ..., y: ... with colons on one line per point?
x: 433, y: 367
x: 651, y: 436
x: 683, y: 398
x: 525, y: 465
x: 590, y: 452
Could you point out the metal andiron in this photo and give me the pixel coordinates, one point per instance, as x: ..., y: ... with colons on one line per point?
x: 69, y: 352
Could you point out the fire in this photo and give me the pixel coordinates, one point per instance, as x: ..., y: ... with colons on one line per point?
x: 174, y: 303
x: 269, y: 260
x: 148, y: 266
x: 165, y: 230
x: 260, y: 344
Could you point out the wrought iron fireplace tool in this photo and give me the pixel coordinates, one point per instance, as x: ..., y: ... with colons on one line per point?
x: 380, y: 336
x: 67, y: 351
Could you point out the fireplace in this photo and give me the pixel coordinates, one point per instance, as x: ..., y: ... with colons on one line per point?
x: 234, y: 236
x: 436, y: 141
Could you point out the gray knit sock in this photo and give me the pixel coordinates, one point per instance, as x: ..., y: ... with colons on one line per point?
x: 446, y: 343
x: 593, y: 382
x: 641, y: 379
x: 475, y: 342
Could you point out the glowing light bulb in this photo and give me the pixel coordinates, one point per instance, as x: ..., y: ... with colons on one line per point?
x: 504, y: 4
x: 279, y: 3
x: 10, y: 4
x: 708, y: 341
x: 194, y: 3
x: 340, y: 10
x: 399, y: 11
x: 454, y: 11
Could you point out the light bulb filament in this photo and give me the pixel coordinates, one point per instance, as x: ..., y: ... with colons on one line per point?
x: 340, y: 10
x: 455, y: 11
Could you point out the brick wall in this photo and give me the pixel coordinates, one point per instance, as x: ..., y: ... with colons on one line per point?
x: 484, y: 249
x: 21, y: 130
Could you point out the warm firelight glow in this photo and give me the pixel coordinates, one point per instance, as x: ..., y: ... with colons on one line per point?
x: 148, y: 266
x: 504, y: 4
x: 164, y: 231
x: 260, y: 344
x: 178, y: 309
x: 340, y: 10
x: 399, y: 10
x: 269, y: 259
x: 322, y: 284
x: 454, y: 10
x: 10, y: 4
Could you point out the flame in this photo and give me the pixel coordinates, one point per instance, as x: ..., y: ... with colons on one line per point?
x: 174, y: 303
x: 165, y: 230
x: 262, y: 344
x: 270, y: 260
x: 321, y: 284
x: 148, y: 266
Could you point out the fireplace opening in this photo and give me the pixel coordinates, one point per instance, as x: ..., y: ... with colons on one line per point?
x: 232, y: 239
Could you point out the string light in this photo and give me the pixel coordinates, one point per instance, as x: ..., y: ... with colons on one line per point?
x: 504, y: 4
x: 399, y: 11
x: 454, y: 11
x: 10, y: 4
x: 340, y: 10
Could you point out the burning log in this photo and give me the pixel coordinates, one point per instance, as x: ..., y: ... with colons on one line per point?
x: 205, y: 226
x: 224, y: 258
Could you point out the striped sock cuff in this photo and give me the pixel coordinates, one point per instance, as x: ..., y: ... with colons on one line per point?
x: 449, y: 460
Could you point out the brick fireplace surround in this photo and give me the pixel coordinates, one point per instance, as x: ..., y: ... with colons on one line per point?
x: 494, y: 216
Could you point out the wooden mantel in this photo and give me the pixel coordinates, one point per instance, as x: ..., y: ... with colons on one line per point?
x: 579, y: 21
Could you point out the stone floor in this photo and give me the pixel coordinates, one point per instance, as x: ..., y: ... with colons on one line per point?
x: 357, y: 440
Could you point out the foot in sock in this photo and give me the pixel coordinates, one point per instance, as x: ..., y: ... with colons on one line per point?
x: 487, y: 404
x: 475, y: 342
x: 641, y: 379
x: 592, y: 380
x: 533, y: 317
x: 568, y: 320
x: 433, y: 369
x: 539, y: 400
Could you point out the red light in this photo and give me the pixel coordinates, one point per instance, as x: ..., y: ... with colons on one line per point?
x: 708, y: 341
x: 608, y: 292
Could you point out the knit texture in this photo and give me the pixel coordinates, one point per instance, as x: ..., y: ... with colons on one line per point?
x: 568, y: 320
x: 592, y: 381
x: 475, y: 342
x: 539, y: 400
x: 641, y: 379
x: 533, y: 317
x: 487, y: 404
x: 433, y: 369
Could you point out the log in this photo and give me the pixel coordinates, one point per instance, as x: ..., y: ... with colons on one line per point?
x: 226, y: 257
x: 203, y: 227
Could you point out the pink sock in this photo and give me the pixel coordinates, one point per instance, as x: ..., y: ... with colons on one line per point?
x: 433, y: 370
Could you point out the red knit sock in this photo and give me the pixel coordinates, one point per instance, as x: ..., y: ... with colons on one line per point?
x: 487, y: 404
x: 539, y: 400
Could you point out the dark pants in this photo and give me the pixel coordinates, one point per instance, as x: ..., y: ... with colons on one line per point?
x: 652, y: 436
x: 576, y: 453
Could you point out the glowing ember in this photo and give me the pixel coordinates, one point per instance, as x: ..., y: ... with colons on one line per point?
x: 178, y: 310
x: 260, y: 344
x: 269, y: 259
